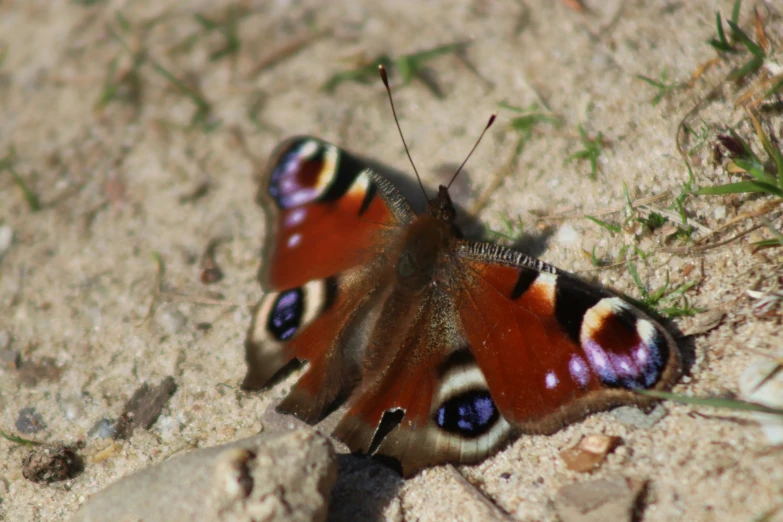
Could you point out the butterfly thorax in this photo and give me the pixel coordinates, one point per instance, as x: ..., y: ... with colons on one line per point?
x: 424, y: 258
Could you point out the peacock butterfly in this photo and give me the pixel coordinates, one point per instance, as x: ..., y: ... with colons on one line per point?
x: 438, y: 349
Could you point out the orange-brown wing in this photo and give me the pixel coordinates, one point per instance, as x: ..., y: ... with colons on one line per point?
x: 330, y: 223
x: 325, y: 212
x: 422, y: 400
x: 552, y: 347
x: 506, y: 344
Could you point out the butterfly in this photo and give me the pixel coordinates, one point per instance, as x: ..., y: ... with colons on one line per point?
x: 433, y: 347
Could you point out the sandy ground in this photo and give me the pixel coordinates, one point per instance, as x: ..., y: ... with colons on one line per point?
x: 116, y: 185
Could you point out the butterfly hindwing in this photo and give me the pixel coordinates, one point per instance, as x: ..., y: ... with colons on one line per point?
x: 427, y: 382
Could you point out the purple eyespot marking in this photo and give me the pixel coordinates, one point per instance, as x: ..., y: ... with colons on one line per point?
x: 469, y: 414
x: 577, y: 367
x: 599, y: 362
x: 294, y: 179
x: 639, y: 367
x: 286, y: 314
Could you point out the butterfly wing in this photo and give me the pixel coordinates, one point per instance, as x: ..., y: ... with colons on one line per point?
x: 408, y: 406
x: 325, y: 212
x: 511, y: 345
x: 329, y: 223
x: 552, y: 347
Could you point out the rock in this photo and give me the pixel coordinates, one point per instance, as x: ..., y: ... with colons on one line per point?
x: 704, y: 322
x: 5, y: 339
x: 613, y: 498
x: 170, y: 320
x: 31, y: 373
x: 762, y: 383
x: 51, y: 463
x: 588, y: 454
x: 633, y: 417
x: 6, y: 238
x: 29, y: 421
x: 72, y: 407
x: 144, y: 407
x: 271, y: 477
x: 102, y: 429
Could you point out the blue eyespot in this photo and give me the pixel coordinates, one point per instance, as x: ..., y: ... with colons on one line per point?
x: 286, y: 314
x: 469, y: 414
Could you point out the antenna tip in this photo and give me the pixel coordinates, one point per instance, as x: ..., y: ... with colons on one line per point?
x: 382, y: 72
x: 491, y: 120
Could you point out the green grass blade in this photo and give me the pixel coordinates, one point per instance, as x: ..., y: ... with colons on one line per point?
x: 720, y: 43
x: 638, y: 282
x: 713, y: 402
x: 750, y: 67
x: 614, y: 229
x: 741, y: 188
x: 19, y: 440
x: 735, y: 11
x: 751, y: 46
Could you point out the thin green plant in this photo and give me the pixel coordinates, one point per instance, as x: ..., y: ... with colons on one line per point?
x: 657, y: 299
x: 720, y: 43
x: 748, y: 162
x: 203, y: 107
x: 513, y: 229
x: 591, y: 152
x: 613, y: 229
x: 32, y: 199
x: 663, y: 86
x: 526, y: 121
x: 712, y: 402
x: 408, y: 67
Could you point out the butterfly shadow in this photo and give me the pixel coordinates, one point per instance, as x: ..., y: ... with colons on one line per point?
x: 365, y: 487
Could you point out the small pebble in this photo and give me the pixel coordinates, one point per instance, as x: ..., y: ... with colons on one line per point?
x: 103, y: 429
x: 72, y: 408
x: 5, y: 339
x: 51, y: 463
x: 172, y: 321
x: 6, y: 238
x: 29, y: 421
x: 633, y: 417
x: 566, y: 235
x: 589, y: 453
x: 762, y: 382
x: 9, y: 358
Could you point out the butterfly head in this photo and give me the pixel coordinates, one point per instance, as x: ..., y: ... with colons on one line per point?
x: 441, y: 207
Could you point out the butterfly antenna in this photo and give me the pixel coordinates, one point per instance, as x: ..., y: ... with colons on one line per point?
x: 382, y: 71
x: 489, y: 124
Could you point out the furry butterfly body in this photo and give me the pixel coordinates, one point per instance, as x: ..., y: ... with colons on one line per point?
x: 437, y: 348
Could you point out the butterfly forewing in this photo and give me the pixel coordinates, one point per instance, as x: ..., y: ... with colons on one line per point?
x: 552, y: 347
x: 329, y: 222
x: 325, y: 213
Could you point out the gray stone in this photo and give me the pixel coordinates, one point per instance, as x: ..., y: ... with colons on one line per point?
x: 633, y: 417
x: 6, y: 238
x: 102, y: 429
x: 612, y: 498
x: 29, y: 421
x: 274, y: 476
